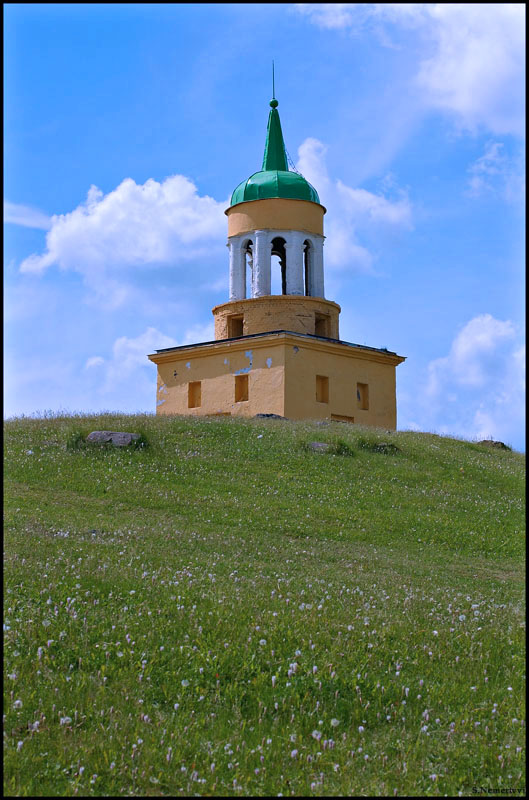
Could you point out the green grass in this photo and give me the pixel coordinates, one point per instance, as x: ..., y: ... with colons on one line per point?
x: 222, y: 611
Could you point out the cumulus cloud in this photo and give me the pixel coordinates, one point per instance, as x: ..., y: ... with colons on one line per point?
x: 127, y: 371
x: 478, y: 389
x: 477, y: 71
x: 353, y: 214
x: 26, y: 216
x: 472, y: 62
x: 474, y: 356
x: 128, y: 357
x: 134, y: 226
x: 121, y: 379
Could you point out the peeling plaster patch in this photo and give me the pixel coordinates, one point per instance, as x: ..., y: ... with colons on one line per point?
x: 188, y: 365
x: 248, y: 355
x: 296, y: 349
x: 161, y: 402
x: 163, y: 388
x: 268, y: 362
x: 226, y: 361
x: 175, y: 373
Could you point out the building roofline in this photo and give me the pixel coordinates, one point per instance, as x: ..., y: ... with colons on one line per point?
x: 309, y: 336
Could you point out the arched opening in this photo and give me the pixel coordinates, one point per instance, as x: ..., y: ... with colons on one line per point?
x: 308, y: 252
x: 248, y: 267
x: 279, y: 251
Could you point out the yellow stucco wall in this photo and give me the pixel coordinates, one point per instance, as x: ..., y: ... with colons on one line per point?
x: 282, y: 372
x: 216, y: 368
x: 276, y: 313
x: 275, y: 214
x: 345, y: 367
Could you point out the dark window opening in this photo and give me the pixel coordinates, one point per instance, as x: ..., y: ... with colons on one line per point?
x: 321, y: 325
x: 342, y: 418
x: 248, y: 270
x: 194, y: 394
x: 241, y: 388
x: 322, y: 389
x: 278, y: 249
x: 235, y: 326
x: 307, y: 264
x: 362, y: 396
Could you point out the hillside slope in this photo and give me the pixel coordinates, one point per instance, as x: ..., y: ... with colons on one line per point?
x: 227, y: 611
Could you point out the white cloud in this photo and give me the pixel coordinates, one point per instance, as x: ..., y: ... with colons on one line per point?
x: 94, y: 361
x: 352, y: 213
x: 134, y: 226
x: 474, y: 355
x: 496, y: 173
x: 486, y: 169
x: 128, y: 372
x: 112, y: 239
x: 472, y: 61
x: 121, y: 380
x: 329, y: 15
x: 199, y: 333
x: 26, y: 216
x: 478, y: 389
x: 129, y: 356
x: 478, y: 68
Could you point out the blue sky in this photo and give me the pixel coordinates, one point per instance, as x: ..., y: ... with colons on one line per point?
x: 127, y: 127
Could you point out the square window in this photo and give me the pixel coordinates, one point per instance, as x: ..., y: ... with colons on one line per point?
x: 235, y: 327
x: 322, y: 389
x: 362, y: 396
x: 194, y: 394
x: 321, y: 325
x: 342, y: 418
x: 241, y: 388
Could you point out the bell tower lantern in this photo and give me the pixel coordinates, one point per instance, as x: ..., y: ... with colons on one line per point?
x: 276, y: 212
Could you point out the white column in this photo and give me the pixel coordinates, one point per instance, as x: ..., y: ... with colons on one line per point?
x: 316, y: 271
x: 262, y: 264
x: 294, y: 255
x: 237, y: 270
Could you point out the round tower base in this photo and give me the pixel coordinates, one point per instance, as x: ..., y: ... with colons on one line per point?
x: 300, y: 314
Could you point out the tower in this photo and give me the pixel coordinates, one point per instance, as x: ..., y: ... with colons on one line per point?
x: 276, y: 212
x: 277, y: 353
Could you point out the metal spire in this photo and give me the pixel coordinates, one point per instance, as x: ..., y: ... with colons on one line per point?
x: 275, y: 157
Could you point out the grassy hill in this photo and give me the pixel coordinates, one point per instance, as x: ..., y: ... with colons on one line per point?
x: 224, y: 611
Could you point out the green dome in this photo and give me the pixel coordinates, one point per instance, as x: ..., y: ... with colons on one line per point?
x: 274, y: 178
x: 274, y: 183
